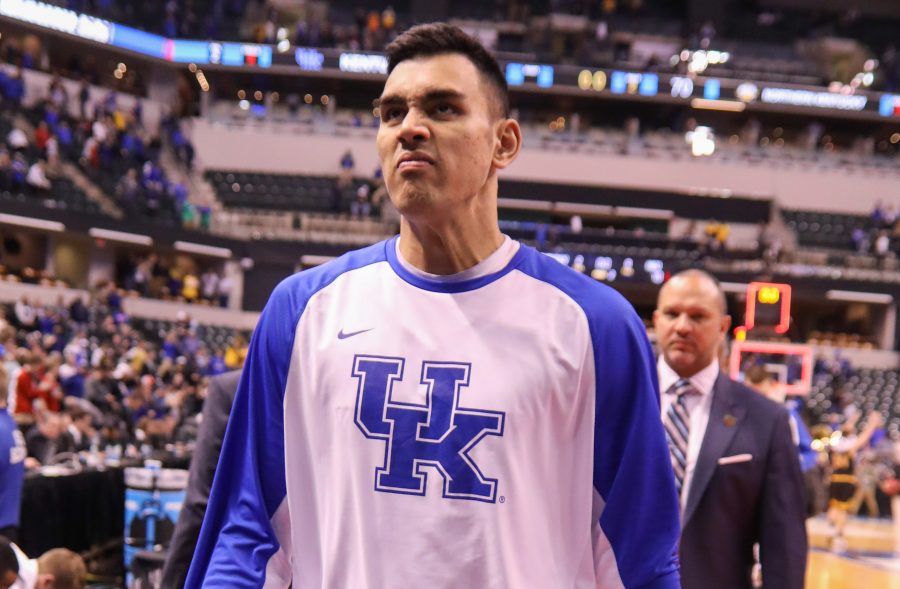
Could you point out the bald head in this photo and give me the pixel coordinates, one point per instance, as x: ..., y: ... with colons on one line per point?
x: 698, y: 279
x: 691, y: 321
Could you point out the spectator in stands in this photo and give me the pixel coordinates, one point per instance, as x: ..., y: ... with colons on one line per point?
x: 236, y: 352
x: 15, y: 90
x: 41, y: 136
x: 882, y: 247
x: 48, y: 438
x: 71, y: 377
x: 345, y: 176
x: 17, y: 139
x: 27, y: 389
x: 81, y: 429
x: 890, y: 216
x: 84, y: 96
x: 361, y: 207
x: 128, y: 192
x: 37, y: 178
x: 5, y: 170
x: 19, y: 172
x: 226, y: 284
x: 190, y: 289
x: 877, y: 215
x: 209, y: 285
x: 78, y: 311
x: 49, y: 388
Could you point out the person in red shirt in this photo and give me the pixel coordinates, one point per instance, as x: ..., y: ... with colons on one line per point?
x: 26, y: 389
x: 42, y: 136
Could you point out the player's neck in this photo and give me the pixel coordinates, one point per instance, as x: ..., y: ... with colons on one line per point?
x: 450, y: 246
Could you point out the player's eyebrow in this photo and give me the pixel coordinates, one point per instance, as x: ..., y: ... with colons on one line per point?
x: 428, y: 96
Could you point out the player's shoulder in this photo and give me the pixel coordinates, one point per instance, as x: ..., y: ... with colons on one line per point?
x: 295, y: 290
x: 598, y: 301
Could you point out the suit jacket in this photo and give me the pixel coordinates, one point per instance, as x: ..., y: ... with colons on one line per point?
x: 216, y: 409
x: 736, y: 502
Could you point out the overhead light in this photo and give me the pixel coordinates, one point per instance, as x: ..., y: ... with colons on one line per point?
x: 311, y: 260
x: 723, y: 105
x: 203, y: 250
x: 31, y: 222
x: 852, y: 296
x: 121, y: 236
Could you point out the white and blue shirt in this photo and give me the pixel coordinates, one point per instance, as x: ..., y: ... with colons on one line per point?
x: 394, y: 430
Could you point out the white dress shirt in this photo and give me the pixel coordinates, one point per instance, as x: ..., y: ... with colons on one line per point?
x: 697, y: 405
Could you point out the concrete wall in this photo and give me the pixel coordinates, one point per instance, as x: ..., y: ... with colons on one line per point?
x: 280, y: 148
x: 136, y: 307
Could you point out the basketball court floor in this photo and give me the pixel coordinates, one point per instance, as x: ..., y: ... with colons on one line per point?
x: 869, y: 562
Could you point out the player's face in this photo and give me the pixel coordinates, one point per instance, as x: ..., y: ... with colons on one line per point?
x: 437, y: 136
x: 690, y: 324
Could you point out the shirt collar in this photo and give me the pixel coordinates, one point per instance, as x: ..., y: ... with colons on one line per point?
x: 496, y: 261
x: 703, y: 381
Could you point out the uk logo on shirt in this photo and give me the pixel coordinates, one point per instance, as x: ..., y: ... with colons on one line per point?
x: 438, y: 434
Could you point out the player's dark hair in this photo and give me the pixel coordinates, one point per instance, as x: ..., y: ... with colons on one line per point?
x: 8, y: 560
x: 439, y: 38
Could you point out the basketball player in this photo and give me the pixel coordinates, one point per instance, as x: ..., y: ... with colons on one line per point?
x: 843, y: 483
x: 450, y: 408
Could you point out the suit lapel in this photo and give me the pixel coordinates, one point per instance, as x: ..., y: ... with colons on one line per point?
x: 725, y: 417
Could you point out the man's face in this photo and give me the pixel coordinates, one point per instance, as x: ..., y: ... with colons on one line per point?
x: 437, y: 136
x: 690, y: 324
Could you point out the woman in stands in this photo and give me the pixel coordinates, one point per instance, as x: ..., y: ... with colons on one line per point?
x: 843, y: 478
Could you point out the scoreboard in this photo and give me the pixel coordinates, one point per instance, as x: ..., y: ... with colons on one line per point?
x: 768, y: 306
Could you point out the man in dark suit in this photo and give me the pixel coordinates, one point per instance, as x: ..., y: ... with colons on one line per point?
x: 216, y: 409
x: 735, y: 462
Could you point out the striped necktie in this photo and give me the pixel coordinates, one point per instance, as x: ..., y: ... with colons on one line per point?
x: 677, y: 423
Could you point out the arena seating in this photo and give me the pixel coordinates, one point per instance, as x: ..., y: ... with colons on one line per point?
x: 281, y: 192
x: 829, y: 230
x: 212, y: 335
x: 871, y: 389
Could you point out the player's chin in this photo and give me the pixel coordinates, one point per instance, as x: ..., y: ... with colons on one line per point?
x: 680, y: 358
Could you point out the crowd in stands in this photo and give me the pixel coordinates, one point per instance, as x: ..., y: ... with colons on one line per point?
x: 155, y: 277
x: 86, y: 376
x: 108, y: 141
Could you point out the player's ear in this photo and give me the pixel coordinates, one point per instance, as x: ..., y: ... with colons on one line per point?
x: 726, y: 324
x: 508, y: 144
x: 45, y: 581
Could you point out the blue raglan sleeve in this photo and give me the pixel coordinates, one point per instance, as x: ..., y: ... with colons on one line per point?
x: 239, y: 545
x: 632, y: 471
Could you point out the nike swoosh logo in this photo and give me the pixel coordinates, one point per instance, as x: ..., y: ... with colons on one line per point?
x: 342, y: 335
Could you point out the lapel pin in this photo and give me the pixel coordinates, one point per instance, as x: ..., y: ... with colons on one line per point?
x: 729, y: 420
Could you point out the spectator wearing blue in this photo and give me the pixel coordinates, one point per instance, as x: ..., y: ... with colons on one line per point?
x: 15, y: 90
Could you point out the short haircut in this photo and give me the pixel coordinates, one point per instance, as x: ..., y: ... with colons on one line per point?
x: 434, y: 39
x: 757, y: 374
x: 67, y: 568
x: 8, y: 560
x: 703, y: 275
